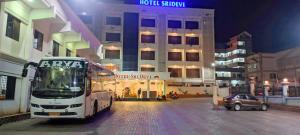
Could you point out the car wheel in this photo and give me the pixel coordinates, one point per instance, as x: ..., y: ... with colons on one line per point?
x: 264, y: 107
x: 237, y: 107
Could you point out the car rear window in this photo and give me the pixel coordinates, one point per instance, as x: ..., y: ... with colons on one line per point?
x: 241, y: 97
x: 250, y: 97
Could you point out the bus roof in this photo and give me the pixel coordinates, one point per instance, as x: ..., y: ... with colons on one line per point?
x: 64, y: 58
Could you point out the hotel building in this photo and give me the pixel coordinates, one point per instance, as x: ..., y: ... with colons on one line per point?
x: 274, y: 67
x: 154, y: 48
x: 231, y: 60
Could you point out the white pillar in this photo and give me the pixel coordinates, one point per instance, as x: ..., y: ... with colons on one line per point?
x: 215, y: 95
x: 285, y: 88
x: 24, y: 95
x: 252, y: 86
x: 164, y: 87
x: 267, y: 88
x: 148, y: 89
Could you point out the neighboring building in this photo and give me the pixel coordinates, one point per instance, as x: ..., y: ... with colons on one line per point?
x: 30, y: 30
x: 274, y: 67
x: 230, y: 60
x: 157, y: 49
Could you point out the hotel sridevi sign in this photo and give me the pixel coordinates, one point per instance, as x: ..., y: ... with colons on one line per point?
x: 163, y: 3
x: 128, y: 75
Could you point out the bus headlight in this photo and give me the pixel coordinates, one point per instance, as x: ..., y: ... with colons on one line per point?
x: 75, y: 105
x: 35, y: 105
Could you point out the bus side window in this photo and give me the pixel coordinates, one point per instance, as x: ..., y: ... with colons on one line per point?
x: 88, y: 87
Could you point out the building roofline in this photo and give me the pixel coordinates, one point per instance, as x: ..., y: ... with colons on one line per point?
x: 240, y: 34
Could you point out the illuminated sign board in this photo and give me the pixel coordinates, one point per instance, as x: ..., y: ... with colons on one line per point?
x: 163, y: 3
x: 130, y: 75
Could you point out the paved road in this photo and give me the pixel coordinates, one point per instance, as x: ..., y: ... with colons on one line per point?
x: 181, y: 117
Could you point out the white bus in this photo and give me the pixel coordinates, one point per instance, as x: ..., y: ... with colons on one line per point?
x: 70, y: 88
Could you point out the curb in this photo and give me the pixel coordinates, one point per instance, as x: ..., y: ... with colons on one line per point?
x: 285, y: 108
x: 14, y: 118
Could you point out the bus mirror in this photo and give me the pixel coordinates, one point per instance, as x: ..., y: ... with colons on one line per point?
x: 24, y: 72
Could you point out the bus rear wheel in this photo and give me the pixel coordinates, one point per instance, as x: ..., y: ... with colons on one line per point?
x: 110, y: 104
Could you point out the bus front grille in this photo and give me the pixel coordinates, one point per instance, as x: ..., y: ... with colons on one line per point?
x: 54, y: 106
x: 59, y: 114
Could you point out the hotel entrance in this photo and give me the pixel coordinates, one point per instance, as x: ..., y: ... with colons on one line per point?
x: 140, y: 85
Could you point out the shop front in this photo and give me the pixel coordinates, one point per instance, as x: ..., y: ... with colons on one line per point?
x: 140, y: 85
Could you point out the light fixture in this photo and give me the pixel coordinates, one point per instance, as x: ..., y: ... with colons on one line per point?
x: 147, y: 33
x: 30, y: 0
x: 267, y: 83
x: 147, y: 49
x: 190, y: 35
x: 213, y: 64
x: 285, y: 80
x: 83, y: 13
x: 173, y: 34
x: 113, y: 48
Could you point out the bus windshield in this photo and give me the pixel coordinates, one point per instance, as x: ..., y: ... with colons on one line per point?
x: 59, y: 80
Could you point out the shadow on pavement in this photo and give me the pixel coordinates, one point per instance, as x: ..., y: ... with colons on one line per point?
x: 69, y: 124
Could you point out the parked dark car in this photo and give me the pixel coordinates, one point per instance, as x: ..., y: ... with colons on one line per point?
x: 238, y: 102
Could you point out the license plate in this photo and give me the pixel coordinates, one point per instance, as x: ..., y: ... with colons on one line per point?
x: 54, y: 113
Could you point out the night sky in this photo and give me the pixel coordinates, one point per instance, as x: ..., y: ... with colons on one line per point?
x: 274, y: 24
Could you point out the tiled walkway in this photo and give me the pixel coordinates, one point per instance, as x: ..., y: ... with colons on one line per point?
x: 180, y: 117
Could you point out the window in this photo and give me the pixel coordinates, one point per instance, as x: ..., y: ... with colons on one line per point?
x: 241, y: 43
x: 38, y: 40
x: 68, y: 53
x: 174, y: 56
x: 112, y: 54
x: 192, y: 40
x: 175, y: 24
x: 273, y: 75
x: 148, y: 55
x: 223, y: 74
x: 250, y: 97
x: 193, y: 73
x: 13, y: 27
x: 174, y: 39
x: 113, y: 37
x: 148, y: 22
x: 113, y: 21
x: 238, y: 51
x: 55, y: 49
x: 147, y: 69
x: 175, y: 72
x: 238, y: 60
x: 192, y: 56
x: 191, y: 25
x: 7, y: 87
x: 148, y: 38
x: 241, y: 96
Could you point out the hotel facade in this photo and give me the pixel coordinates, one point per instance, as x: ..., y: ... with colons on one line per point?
x: 154, y: 49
